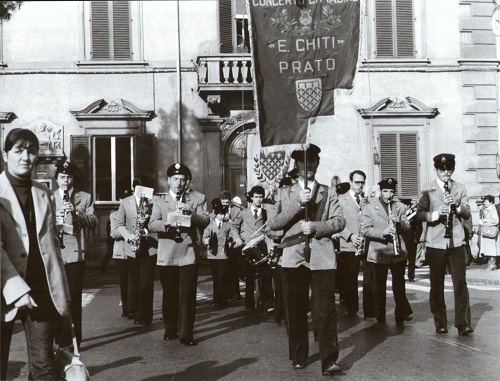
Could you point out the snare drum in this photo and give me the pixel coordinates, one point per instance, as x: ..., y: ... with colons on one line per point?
x: 255, y: 250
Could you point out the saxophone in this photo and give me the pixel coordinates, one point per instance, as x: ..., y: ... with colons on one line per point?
x: 395, y: 236
x: 140, y: 224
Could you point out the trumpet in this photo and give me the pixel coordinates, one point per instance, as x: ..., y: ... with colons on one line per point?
x: 448, y: 222
x: 395, y: 236
x: 140, y: 225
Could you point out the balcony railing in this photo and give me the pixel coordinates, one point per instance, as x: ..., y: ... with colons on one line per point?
x: 224, y: 72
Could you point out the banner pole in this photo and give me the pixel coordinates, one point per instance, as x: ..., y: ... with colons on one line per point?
x: 307, y: 249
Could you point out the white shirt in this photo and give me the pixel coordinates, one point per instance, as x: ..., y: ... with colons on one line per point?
x: 353, y: 195
x: 61, y: 193
x: 259, y: 210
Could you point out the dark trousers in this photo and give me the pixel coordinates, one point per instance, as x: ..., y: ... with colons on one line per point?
x: 261, y: 273
x: 220, y: 272
x: 141, y: 271
x: 322, y: 309
x: 74, y: 272
x: 179, y: 299
x: 122, y: 268
x: 368, y: 301
x: 234, y: 272
x: 403, y: 307
x: 281, y: 295
x: 412, y: 256
x: 455, y: 258
x: 40, y: 342
x: 347, y: 280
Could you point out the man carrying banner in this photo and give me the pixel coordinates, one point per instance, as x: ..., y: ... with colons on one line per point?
x: 304, y: 235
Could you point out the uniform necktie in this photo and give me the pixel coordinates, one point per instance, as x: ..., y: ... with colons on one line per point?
x: 357, y: 198
x: 255, y: 213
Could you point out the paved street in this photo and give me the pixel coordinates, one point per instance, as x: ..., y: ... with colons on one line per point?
x: 238, y: 345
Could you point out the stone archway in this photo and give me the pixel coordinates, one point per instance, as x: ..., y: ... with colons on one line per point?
x: 234, y: 155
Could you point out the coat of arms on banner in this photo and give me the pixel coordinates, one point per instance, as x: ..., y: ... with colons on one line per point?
x: 270, y: 167
x: 308, y: 93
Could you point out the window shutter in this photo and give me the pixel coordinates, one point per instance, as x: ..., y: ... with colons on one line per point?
x: 225, y: 26
x: 399, y: 160
x: 100, y: 30
x: 143, y: 159
x: 121, y: 31
x: 81, y: 159
x: 404, y: 28
x: 384, y: 28
x: 389, y: 156
x: 409, y: 165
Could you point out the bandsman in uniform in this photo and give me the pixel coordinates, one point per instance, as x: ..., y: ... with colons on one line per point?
x: 74, y: 208
x: 384, y: 221
x: 141, y: 254
x: 444, y: 201
x: 313, y: 266
x: 178, y: 248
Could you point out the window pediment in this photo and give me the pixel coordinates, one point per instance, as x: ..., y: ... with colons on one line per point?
x: 112, y: 110
x: 397, y: 107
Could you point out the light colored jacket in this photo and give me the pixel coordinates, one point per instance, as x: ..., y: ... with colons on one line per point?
x: 431, y: 199
x: 15, y: 248
x: 352, y: 213
x: 126, y: 219
x: 216, y: 239
x: 171, y: 253
x: 374, y: 221
x: 285, y: 217
x: 82, y: 218
x: 119, y: 243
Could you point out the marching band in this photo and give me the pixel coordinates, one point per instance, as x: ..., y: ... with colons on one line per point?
x: 309, y: 239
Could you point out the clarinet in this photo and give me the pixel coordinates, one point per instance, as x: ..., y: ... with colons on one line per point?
x: 61, y: 231
x: 360, y: 249
x: 448, y: 222
x: 178, y: 237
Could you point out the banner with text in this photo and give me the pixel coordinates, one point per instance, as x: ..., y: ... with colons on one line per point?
x: 302, y: 50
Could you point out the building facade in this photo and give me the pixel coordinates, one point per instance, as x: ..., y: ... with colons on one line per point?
x: 125, y: 88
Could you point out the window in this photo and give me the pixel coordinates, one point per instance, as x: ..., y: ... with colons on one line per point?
x: 399, y: 160
x: 233, y: 27
x: 116, y: 161
x: 394, y: 29
x: 110, y: 31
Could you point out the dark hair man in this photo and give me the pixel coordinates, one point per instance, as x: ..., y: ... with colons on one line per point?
x: 34, y: 289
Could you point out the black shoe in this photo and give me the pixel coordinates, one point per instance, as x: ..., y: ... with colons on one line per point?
x: 332, y: 369
x: 408, y: 317
x: 171, y: 336
x: 441, y: 329
x: 464, y: 330
x: 130, y: 316
x: 411, y: 280
x: 189, y: 342
x: 298, y: 365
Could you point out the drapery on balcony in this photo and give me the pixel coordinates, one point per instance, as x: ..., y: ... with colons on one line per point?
x: 224, y: 72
